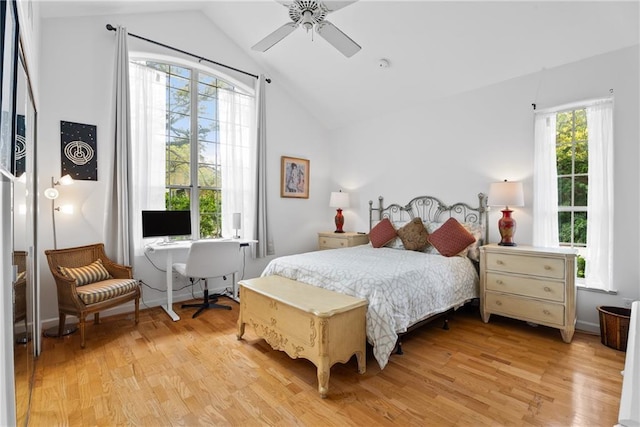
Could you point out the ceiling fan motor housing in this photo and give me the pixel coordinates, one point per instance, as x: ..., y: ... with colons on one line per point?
x: 307, y: 12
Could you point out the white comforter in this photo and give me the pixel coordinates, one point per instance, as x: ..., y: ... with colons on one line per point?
x: 402, y: 286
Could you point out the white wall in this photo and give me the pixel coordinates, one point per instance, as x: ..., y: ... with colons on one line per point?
x: 76, y: 85
x: 455, y: 147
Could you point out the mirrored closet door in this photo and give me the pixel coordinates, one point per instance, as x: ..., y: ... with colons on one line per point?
x: 23, y: 222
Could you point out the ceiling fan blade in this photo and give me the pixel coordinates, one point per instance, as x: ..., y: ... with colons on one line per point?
x: 332, y: 5
x: 285, y: 3
x: 275, y: 37
x: 337, y: 38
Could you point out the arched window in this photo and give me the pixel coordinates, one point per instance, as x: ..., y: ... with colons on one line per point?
x: 192, y: 133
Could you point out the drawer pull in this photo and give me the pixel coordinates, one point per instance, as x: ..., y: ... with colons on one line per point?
x: 341, y: 243
x: 500, y: 262
x: 499, y: 282
x: 498, y: 302
x: 547, y: 267
x: 547, y: 289
x: 546, y: 312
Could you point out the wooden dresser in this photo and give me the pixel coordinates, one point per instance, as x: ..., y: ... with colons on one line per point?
x: 331, y: 240
x: 528, y: 283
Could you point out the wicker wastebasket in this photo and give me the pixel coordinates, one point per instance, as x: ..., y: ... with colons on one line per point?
x: 614, y: 326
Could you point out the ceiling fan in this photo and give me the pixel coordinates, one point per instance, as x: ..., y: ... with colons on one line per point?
x: 310, y: 14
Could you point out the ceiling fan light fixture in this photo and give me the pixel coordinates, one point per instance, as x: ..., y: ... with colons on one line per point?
x: 307, y: 20
x: 310, y: 14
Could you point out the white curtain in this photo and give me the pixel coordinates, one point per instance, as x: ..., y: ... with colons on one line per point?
x: 117, y: 227
x: 599, y: 257
x: 264, y: 246
x: 545, y: 182
x: 236, y: 117
x: 148, y: 147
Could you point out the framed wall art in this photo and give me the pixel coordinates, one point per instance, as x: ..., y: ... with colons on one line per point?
x: 79, y: 152
x: 9, y: 55
x: 294, y: 178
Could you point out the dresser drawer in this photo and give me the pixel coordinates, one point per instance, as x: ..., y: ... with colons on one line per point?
x: 523, y: 264
x: 526, y: 286
x: 525, y: 309
x: 332, y: 242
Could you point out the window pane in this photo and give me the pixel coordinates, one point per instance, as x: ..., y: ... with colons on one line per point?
x: 178, y: 199
x: 207, y: 129
x: 581, y: 125
x: 206, y: 89
x: 564, y: 226
x: 178, y: 159
x: 582, y: 157
x: 209, y: 152
x: 564, y: 127
x: 209, y: 175
x: 581, y: 186
x: 181, y: 71
x: 210, y: 213
x: 564, y: 191
x: 207, y: 106
x: 563, y: 157
x: 580, y: 228
x: 206, y: 79
x: 179, y: 125
x: 178, y: 100
x: 177, y: 82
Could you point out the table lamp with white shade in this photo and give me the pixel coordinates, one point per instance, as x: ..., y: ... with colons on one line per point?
x: 506, y: 194
x: 340, y: 201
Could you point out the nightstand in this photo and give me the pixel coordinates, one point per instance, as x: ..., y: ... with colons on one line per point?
x: 528, y: 283
x: 331, y: 240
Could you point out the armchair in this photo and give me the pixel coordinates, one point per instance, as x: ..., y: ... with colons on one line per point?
x: 88, y: 282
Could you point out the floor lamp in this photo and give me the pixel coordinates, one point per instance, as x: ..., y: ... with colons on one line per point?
x: 52, y: 193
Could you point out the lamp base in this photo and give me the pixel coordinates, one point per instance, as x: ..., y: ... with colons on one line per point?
x: 53, y: 331
x: 339, y: 221
x: 507, y: 228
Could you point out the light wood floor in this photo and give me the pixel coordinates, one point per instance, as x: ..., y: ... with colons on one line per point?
x: 195, y: 372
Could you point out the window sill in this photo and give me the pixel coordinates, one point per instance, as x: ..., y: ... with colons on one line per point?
x: 583, y: 288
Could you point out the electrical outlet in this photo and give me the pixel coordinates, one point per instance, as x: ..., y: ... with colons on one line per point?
x: 627, y: 302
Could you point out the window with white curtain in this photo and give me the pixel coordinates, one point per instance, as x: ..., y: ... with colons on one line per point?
x: 191, y: 144
x: 573, y: 186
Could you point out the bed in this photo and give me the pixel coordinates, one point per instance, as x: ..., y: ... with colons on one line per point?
x: 404, y: 287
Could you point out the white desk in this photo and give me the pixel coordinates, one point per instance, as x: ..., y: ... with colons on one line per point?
x: 170, y: 249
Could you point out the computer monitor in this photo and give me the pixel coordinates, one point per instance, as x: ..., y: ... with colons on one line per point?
x: 166, y: 223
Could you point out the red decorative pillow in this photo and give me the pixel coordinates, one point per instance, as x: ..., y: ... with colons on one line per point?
x: 451, y: 238
x: 382, y: 233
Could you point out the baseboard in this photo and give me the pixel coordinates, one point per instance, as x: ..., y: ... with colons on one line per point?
x: 592, y: 328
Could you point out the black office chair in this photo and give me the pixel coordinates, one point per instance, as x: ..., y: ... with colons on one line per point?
x: 208, y: 259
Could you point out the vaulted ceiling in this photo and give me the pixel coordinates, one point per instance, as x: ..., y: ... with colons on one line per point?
x: 435, y: 48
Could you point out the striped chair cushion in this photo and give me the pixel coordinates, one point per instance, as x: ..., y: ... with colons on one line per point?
x: 106, y: 289
x: 91, y: 273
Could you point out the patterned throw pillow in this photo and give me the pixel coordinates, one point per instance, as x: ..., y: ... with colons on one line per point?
x: 414, y: 235
x: 382, y: 233
x: 474, y: 249
x: 451, y: 238
x: 91, y: 273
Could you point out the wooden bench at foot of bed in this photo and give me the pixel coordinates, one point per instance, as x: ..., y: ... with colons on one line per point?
x: 305, y: 321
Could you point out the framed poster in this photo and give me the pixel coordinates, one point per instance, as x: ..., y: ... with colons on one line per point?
x: 79, y: 155
x: 9, y: 54
x: 294, y: 178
